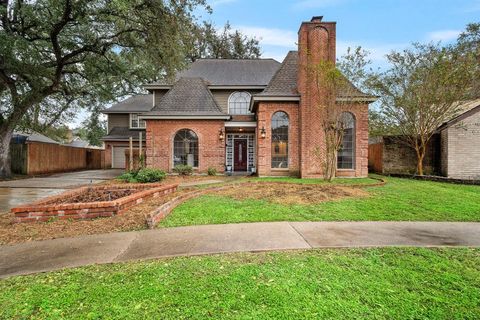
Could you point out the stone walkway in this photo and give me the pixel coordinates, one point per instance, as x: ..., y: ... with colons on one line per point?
x: 40, y: 256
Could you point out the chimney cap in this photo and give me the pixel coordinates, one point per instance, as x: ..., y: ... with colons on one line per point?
x: 316, y: 19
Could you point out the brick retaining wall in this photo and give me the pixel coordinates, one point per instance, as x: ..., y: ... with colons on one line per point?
x: 47, y: 209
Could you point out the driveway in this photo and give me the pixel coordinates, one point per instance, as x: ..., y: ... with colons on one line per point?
x: 15, y: 192
x: 47, y: 255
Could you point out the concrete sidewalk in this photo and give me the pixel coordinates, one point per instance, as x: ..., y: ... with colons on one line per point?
x: 55, y: 254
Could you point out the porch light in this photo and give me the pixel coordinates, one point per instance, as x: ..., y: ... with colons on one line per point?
x: 263, y: 133
x: 221, y: 136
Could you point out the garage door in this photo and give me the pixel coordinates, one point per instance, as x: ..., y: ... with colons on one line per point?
x: 118, y: 157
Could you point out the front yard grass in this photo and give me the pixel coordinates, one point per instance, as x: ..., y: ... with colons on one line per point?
x: 398, y: 200
x: 389, y: 283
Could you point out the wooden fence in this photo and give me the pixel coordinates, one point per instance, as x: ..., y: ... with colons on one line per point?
x: 38, y: 158
x: 375, y: 157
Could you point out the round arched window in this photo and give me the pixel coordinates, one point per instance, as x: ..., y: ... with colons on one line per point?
x: 279, y: 150
x: 239, y: 103
x: 346, y: 154
x: 185, y: 148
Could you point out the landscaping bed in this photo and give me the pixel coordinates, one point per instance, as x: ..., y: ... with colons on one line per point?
x: 134, y: 218
x: 90, y: 202
x: 290, y: 193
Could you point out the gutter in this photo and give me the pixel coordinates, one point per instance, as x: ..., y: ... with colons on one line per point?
x: 184, y: 117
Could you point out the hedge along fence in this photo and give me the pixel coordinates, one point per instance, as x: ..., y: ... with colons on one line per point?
x: 39, y: 157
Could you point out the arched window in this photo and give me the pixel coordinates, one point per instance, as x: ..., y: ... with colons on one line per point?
x: 239, y: 103
x: 280, y: 140
x: 346, y: 154
x: 185, y: 148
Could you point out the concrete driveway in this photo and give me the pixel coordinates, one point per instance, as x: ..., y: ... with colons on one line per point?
x: 15, y: 192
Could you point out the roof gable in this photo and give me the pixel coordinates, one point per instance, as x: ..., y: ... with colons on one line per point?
x: 138, y: 103
x: 284, y: 81
x: 188, y: 96
x: 465, y: 110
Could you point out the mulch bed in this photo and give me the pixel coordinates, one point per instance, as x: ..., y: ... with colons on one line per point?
x: 130, y: 220
x: 95, y: 195
x: 290, y: 193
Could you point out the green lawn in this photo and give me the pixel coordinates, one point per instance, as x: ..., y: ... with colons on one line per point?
x: 399, y: 199
x: 393, y: 283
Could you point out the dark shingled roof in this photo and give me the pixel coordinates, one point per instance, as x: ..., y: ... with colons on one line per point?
x: 284, y: 82
x: 231, y: 72
x: 138, y: 103
x: 122, y: 133
x: 188, y: 96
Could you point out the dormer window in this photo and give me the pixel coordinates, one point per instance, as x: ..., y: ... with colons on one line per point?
x: 239, y: 103
x: 135, y: 123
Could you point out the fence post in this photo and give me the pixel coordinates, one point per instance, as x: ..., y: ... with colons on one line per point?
x: 131, y: 154
x: 140, y: 134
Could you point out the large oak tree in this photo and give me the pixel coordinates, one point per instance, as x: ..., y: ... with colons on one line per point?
x: 58, y: 56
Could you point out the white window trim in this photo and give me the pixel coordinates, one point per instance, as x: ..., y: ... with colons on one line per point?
x: 138, y: 119
x: 248, y: 106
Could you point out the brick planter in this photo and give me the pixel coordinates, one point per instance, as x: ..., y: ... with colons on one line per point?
x: 48, y: 208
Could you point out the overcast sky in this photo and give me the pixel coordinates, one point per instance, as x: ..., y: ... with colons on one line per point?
x: 379, y: 26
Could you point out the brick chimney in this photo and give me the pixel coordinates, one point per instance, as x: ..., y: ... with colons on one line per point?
x: 316, y: 42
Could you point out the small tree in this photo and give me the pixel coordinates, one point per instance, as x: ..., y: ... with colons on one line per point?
x: 331, y: 83
x: 421, y: 91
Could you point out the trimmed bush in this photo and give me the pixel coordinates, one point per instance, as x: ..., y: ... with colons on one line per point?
x: 147, y: 175
x: 183, y: 170
x: 128, y: 176
x: 212, y: 171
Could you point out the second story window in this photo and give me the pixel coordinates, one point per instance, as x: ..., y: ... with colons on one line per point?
x: 239, y: 103
x: 135, y: 122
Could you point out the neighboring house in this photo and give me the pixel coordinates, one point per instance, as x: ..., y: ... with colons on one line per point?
x: 246, y: 115
x: 453, y: 151
x: 460, y: 143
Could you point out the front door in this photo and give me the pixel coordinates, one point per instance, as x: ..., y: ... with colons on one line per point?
x: 240, y: 155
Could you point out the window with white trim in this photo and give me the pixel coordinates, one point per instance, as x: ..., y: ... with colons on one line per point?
x: 135, y: 122
x: 346, y: 154
x: 239, y: 103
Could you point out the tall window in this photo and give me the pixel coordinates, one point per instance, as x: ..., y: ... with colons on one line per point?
x: 185, y: 148
x: 280, y: 140
x: 239, y: 103
x: 135, y: 122
x: 346, y: 154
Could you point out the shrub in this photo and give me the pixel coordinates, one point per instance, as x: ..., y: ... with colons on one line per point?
x: 183, y: 170
x: 143, y: 176
x: 150, y: 175
x: 212, y: 171
x: 128, y: 176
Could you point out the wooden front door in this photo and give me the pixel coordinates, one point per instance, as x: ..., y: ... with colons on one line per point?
x: 240, y: 155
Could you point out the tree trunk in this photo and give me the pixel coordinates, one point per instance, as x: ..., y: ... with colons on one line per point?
x: 5, y: 169
x: 420, y: 156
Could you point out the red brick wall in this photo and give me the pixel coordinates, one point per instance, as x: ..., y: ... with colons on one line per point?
x: 160, y: 135
x: 264, y: 158
x: 317, y: 43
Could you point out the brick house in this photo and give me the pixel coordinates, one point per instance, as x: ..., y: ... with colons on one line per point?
x: 245, y: 115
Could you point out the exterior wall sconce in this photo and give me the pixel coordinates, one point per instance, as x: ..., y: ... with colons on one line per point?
x: 263, y: 133
x: 221, y: 135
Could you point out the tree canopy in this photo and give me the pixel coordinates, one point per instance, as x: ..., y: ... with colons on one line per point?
x: 59, y: 56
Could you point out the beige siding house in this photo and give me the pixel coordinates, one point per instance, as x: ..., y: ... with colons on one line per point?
x: 460, y: 144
